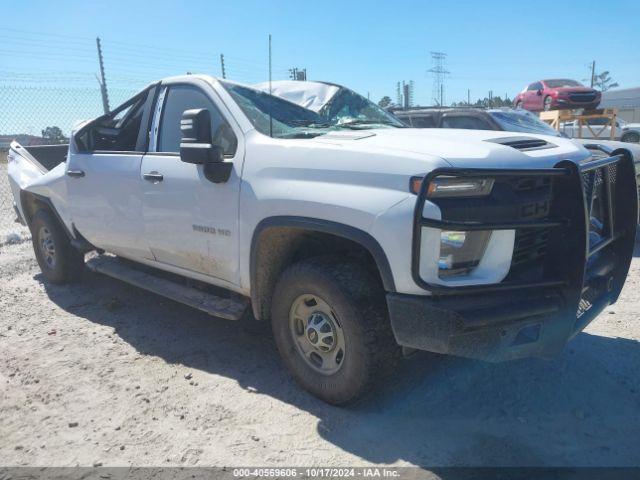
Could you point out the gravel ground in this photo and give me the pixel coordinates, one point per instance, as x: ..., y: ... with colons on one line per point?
x: 102, y: 373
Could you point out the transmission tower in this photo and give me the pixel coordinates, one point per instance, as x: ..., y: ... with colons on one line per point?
x: 439, y: 72
x: 299, y: 74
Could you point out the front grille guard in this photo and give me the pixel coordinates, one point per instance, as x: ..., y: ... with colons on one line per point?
x: 569, y: 252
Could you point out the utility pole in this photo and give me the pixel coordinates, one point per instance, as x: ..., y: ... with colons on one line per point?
x: 102, y: 80
x: 439, y: 72
x: 468, y: 96
x: 224, y: 73
x: 593, y: 73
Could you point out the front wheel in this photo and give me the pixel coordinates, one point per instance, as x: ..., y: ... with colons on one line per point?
x: 331, y: 328
x: 518, y: 105
x: 58, y: 260
x: 631, y: 137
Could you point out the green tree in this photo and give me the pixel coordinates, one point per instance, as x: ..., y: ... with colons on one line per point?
x: 603, y: 81
x: 54, y: 135
x: 385, y: 101
x: 486, y: 102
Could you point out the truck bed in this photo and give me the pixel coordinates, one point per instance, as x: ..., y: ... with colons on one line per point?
x: 47, y: 156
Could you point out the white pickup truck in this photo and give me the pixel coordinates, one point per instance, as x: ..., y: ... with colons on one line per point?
x: 357, y: 238
x: 600, y: 129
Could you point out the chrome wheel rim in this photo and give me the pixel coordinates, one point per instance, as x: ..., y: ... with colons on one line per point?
x: 47, y: 247
x: 317, y: 334
x: 547, y: 104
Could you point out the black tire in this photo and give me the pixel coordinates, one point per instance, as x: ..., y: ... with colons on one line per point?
x: 58, y: 260
x: 546, y: 106
x: 358, y: 305
x: 518, y: 105
x: 631, y: 137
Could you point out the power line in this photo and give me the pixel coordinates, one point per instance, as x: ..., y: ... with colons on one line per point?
x: 128, y: 63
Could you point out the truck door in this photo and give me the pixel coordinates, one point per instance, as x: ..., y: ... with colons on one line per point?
x: 103, y: 177
x: 190, y: 222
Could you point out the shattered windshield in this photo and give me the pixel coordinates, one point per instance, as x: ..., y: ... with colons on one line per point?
x: 521, y: 121
x: 347, y: 107
x: 274, y: 116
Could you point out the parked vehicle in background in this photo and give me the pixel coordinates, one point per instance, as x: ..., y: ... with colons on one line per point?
x: 503, y: 119
x: 354, y: 236
x: 630, y: 132
x: 600, y: 129
x: 557, y: 94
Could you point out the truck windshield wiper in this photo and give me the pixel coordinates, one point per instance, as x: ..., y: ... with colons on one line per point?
x: 302, y: 134
x: 311, y: 124
x: 352, y: 123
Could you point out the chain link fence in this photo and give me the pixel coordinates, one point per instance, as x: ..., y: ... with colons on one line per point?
x: 37, y: 115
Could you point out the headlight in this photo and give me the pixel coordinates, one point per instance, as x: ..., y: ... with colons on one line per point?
x: 454, y: 187
x: 461, y: 252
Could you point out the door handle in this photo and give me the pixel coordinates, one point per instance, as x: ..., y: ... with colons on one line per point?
x: 154, y: 177
x: 75, y: 173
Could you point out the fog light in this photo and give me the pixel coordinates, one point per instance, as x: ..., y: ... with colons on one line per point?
x: 461, y: 252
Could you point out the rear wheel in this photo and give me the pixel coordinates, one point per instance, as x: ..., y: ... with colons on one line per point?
x: 58, y: 260
x: 331, y: 328
x: 632, y: 137
x: 547, y: 103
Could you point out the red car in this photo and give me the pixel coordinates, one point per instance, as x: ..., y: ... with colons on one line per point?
x: 557, y: 94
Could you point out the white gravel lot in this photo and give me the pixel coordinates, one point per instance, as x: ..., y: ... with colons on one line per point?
x: 103, y: 373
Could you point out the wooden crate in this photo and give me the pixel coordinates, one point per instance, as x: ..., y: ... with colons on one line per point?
x: 555, y: 118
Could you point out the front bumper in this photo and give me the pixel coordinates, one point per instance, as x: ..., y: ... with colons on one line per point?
x: 496, y: 327
x: 566, y: 103
x: 545, y: 300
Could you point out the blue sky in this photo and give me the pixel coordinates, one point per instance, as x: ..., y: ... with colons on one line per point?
x: 366, y: 45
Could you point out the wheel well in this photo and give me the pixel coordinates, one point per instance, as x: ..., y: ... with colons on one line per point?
x: 31, y: 203
x: 275, y: 248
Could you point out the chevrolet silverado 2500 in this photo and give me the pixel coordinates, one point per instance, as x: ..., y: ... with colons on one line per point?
x: 356, y: 237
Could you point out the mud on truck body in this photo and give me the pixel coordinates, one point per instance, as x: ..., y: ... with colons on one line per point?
x: 356, y: 237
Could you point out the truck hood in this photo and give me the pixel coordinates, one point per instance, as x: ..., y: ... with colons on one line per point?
x: 461, y: 148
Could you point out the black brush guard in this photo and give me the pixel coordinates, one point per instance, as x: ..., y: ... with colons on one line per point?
x: 569, y: 273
